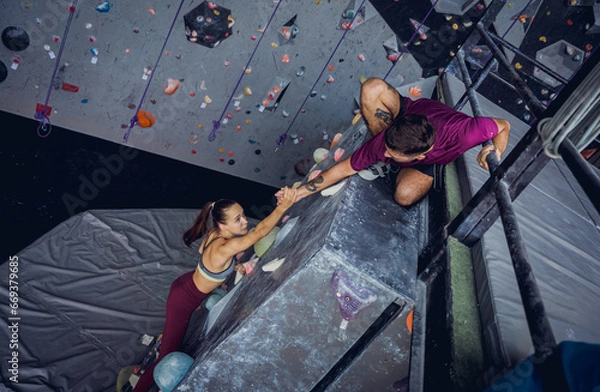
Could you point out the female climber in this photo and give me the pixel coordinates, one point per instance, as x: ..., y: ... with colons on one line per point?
x: 225, y: 230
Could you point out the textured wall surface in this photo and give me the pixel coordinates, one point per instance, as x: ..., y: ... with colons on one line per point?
x: 129, y: 38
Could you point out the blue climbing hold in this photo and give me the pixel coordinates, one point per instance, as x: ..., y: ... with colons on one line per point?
x: 104, y: 7
x: 171, y: 369
x: 94, y: 51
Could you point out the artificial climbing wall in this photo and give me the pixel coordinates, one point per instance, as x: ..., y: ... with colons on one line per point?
x: 260, y: 91
x: 257, y: 84
x: 321, y: 320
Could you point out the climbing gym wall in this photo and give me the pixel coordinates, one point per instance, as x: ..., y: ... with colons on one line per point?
x: 245, y: 88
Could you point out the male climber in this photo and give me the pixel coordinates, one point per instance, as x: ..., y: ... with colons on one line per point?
x: 416, y: 136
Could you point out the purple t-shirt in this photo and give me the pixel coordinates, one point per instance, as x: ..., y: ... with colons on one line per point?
x: 456, y: 133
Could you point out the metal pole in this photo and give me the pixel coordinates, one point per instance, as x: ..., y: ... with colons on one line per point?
x: 523, y: 89
x: 535, y: 312
x: 582, y: 170
x: 539, y: 326
x: 480, y: 78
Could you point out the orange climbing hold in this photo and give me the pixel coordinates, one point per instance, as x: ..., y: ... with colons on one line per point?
x: 335, y: 140
x: 415, y: 91
x: 172, y: 86
x: 409, y: 320
x: 145, y: 119
x: 339, y: 153
x: 285, y: 59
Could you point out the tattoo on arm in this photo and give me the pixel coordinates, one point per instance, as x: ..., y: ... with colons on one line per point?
x: 383, y: 116
x: 311, y: 186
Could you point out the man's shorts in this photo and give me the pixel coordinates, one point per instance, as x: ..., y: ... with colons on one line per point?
x: 433, y: 170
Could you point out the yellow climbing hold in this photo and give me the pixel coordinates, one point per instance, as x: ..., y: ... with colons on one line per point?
x: 362, y: 79
x: 248, y: 91
x: 455, y: 26
x: 248, y: 122
x: 207, y: 99
x: 221, y: 151
x: 200, y: 126
x: 518, y: 65
x: 248, y: 70
x: 542, y: 39
x: 273, y: 45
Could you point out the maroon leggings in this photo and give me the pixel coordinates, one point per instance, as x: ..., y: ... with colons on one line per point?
x: 184, y: 297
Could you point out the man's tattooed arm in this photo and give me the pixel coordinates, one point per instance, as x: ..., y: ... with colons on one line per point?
x: 383, y: 116
x: 311, y: 186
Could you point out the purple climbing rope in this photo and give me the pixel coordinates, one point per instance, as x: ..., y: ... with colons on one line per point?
x: 283, y: 136
x: 134, y: 120
x: 217, y: 123
x: 45, y: 124
x: 411, y: 38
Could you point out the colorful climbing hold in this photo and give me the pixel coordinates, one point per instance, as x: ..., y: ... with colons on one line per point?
x: 518, y: 65
x: 103, y: 7
x: 151, y: 11
x: 542, y: 39
x: 415, y: 91
x: 145, y: 119
x: 248, y: 122
x: 230, y: 153
x: 330, y: 79
x: 273, y: 45
x: 239, y: 128
x: 361, y: 57
x: 248, y: 91
x: 207, y: 99
x: 331, y: 68
x: 172, y: 86
x: 285, y: 59
x: 70, y: 87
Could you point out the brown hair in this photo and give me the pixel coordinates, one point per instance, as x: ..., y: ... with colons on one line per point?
x: 212, y: 214
x: 410, y: 134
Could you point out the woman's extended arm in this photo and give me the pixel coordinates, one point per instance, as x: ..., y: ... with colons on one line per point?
x: 238, y: 244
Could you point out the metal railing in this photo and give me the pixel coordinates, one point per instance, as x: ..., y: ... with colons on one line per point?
x: 507, y: 180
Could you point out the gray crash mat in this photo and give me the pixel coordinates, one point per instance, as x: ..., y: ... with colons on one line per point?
x: 561, y: 231
x: 88, y: 290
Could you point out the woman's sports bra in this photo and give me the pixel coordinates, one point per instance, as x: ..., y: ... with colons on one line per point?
x: 212, y: 276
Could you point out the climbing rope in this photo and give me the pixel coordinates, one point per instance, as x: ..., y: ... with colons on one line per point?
x: 577, y: 119
x: 134, y: 120
x: 283, y: 136
x: 411, y: 39
x: 217, y: 123
x: 45, y: 125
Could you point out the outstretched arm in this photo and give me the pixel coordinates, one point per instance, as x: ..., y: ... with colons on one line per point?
x: 264, y: 227
x: 379, y: 104
x: 324, y: 180
x: 499, y: 143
